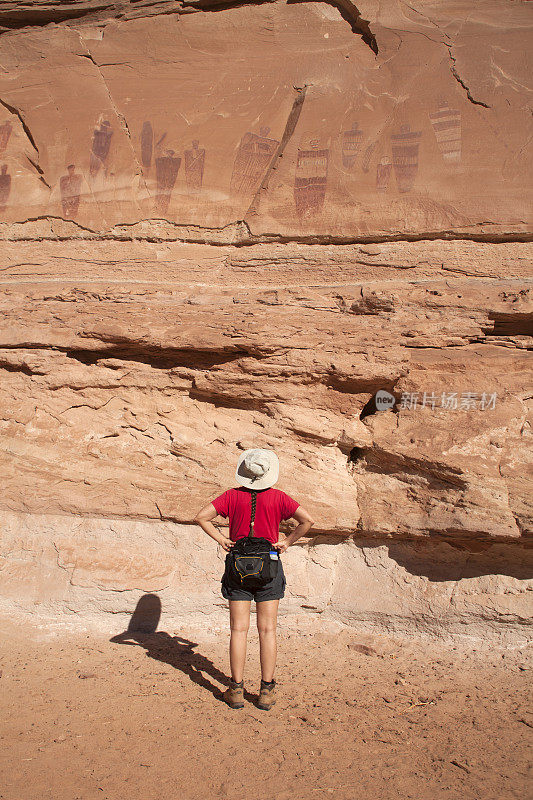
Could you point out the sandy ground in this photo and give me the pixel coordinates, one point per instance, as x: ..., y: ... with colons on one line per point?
x: 358, y: 716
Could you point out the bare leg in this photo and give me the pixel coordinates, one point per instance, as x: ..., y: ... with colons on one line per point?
x: 267, y: 620
x: 239, y: 611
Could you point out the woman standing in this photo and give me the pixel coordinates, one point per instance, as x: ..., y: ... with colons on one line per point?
x: 257, y: 471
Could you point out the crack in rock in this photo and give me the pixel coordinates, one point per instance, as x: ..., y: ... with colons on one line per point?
x: 459, y: 80
x: 233, y: 234
x: 290, y: 127
x: 39, y: 171
x: 121, y: 118
x: 17, y: 113
x: 35, y: 164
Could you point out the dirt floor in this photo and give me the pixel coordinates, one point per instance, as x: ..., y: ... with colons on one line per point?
x: 358, y: 716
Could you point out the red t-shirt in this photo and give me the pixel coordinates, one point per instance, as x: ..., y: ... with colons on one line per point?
x: 272, y: 505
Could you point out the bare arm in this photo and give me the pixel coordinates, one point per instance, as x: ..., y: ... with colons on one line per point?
x: 305, y: 521
x: 204, y: 517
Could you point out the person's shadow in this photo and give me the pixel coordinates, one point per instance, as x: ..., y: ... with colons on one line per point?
x: 174, y: 650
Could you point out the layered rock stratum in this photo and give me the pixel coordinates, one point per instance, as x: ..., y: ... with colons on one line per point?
x: 225, y: 226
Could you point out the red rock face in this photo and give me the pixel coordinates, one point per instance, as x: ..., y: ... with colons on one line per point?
x: 208, y: 223
x: 270, y: 93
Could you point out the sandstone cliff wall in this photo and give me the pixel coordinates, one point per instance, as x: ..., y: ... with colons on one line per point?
x: 226, y: 227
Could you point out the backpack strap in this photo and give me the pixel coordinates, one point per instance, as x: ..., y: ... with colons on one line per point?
x: 254, y: 500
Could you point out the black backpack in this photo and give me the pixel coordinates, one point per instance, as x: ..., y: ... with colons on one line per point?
x: 253, y: 560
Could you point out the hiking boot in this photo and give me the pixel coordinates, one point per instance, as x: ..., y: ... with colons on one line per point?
x: 234, y: 694
x: 267, y: 695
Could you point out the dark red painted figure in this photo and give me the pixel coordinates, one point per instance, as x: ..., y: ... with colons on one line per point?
x: 166, y: 172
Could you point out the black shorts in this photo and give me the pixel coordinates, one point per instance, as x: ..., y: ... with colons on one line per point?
x: 273, y: 590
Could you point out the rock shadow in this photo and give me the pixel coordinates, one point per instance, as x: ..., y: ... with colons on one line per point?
x: 452, y: 561
x: 446, y: 560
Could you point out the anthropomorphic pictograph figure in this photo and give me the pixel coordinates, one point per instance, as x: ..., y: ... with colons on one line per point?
x: 166, y: 171
x: 405, y: 146
x: 101, y: 143
x: 446, y: 123
x: 5, y: 132
x: 70, y: 188
x: 194, y: 167
x: 147, y: 142
x: 310, y: 180
x: 5, y: 187
x: 383, y: 171
x: 351, y: 144
x: 251, y: 162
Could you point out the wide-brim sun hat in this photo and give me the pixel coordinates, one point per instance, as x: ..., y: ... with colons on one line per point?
x: 257, y: 468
